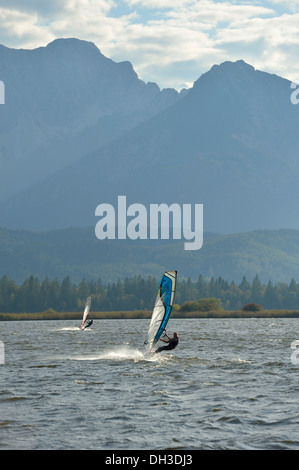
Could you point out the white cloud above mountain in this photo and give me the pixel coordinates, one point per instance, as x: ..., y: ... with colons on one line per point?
x: 169, y: 42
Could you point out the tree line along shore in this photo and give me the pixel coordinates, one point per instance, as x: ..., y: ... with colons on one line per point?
x: 138, y: 294
x: 134, y: 298
x: 146, y: 314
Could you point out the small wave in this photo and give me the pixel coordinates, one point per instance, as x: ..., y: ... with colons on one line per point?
x: 69, y: 328
x: 39, y: 366
x: 243, y: 361
x: 120, y: 354
x: 10, y: 399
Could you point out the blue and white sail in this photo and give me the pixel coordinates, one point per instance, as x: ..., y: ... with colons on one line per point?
x: 86, y: 312
x: 162, y: 309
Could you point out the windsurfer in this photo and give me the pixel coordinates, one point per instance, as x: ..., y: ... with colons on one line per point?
x: 172, y: 343
x: 88, y: 323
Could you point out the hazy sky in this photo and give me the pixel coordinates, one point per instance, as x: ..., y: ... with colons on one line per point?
x: 170, y: 42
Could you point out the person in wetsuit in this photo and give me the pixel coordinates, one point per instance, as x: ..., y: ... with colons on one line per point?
x: 88, y: 323
x: 172, y: 343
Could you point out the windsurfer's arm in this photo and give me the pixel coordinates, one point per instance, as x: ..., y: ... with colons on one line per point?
x: 165, y: 340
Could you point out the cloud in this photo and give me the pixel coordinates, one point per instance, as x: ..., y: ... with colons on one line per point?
x: 37, y: 22
x: 21, y: 29
x: 168, y: 41
x: 277, y: 39
x: 40, y: 7
x: 159, y: 4
x: 291, y: 5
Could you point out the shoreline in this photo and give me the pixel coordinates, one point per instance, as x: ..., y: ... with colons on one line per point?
x: 146, y: 314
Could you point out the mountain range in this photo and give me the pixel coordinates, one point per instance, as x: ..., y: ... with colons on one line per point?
x: 75, y: 252
x: 61, y: 102
x: 78, y: 129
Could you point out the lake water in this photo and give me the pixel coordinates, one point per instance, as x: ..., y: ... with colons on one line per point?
x: 230, y: 384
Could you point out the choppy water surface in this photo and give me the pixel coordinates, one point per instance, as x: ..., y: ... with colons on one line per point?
x: 230, y: 384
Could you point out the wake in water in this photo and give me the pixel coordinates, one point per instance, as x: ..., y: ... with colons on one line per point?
x: 69, y: 328
x: 73, y: 328
x: 119, y: 354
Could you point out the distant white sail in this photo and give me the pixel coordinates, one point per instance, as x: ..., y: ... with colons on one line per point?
x: 86, y: 311
x: 162, y: 309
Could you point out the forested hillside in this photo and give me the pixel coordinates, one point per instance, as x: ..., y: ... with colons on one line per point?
x: 77, y: 253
